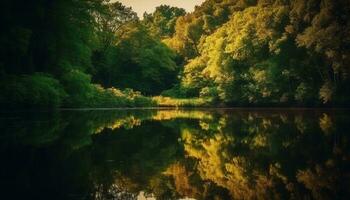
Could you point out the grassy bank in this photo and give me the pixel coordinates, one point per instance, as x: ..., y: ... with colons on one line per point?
x: 175, y: 102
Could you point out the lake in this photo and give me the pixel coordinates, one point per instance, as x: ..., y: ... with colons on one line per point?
x: 175, y: 154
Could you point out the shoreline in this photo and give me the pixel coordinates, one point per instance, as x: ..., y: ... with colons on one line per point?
x: 185, y: 108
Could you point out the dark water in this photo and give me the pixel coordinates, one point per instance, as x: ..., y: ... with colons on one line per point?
x: 175, y: 154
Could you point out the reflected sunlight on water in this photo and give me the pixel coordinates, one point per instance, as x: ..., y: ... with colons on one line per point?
x: 176, y: 154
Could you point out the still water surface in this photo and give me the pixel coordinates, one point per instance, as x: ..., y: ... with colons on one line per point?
x: 175, y: 154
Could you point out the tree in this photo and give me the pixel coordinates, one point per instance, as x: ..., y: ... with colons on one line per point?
x: 161, y: 23
x: 140, y: 61
x: 110, y: 19
x: 192, y: 29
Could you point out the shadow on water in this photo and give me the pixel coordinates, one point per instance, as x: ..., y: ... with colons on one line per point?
x: 173, y: 154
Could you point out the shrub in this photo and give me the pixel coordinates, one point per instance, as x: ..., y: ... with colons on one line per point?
x: 210, y: 92
x: 179, y: 91
x: 82, y: 93
x: 304, y: 94
x: 27, y: 91
x: 174, y: 102
x: 79, y: 88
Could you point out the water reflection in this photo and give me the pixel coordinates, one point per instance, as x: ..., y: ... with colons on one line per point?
x: 174, y: 154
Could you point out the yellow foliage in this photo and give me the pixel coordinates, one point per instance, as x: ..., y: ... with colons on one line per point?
x: 181, y: 114
x: 326, y: 123
x: 182, y: 180
x: 260, y: 140
x: 172, y: 102
x: 326, y: 92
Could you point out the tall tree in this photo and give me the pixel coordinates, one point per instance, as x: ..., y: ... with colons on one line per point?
x: 110, y: 19
x: 161, y: 23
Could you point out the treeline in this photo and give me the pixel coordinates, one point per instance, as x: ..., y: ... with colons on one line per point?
x: 266, y: 52
x: 65, y: 53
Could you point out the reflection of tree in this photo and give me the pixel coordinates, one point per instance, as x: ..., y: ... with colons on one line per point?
x: 217, y: 165
x: 162, y: 115
x: 182, y: 180
x: 247, y: 155
x: 32, y: 128
x: 326, y: 123
x: 177, y: 153
x: 138, y: 155
x: 121, y: 188
x: 130, y: 119
x: 320, y: 180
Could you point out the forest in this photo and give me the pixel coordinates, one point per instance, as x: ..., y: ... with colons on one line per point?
x: 99, y: 53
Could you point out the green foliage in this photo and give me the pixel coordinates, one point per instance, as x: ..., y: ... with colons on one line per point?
x: 193, y: 28
x: 304, y: 93
x: 233, y: 52
x: 78, y: 86
x: 38, y: 90
x: 178, y: 91
x: 82, y: 93
x: 139, y: 61
x: 79, y: 42
x: 268, y: 53
x: 161, y: 23
x: 177, y: 102
x: 77, y: 91
x: 110, y: 19
x: 209, y: 92
x: 39, y: 36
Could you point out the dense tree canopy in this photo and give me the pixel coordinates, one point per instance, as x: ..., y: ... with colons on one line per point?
x: 46, y: 36
x: 233, y: 52
x: 162, y: 21
x: 78, y: 42
x: 272, y: 52
x: 137, y: 58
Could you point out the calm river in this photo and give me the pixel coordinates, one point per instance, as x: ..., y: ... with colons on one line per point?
x: 175, y: 154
